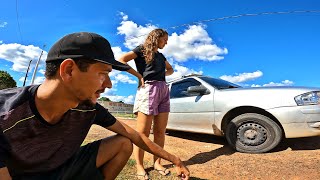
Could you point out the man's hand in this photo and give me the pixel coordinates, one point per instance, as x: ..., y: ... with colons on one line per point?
x: 182, y: 171
x: 4, y: 174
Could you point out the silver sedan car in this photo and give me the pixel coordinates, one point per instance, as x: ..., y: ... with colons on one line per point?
x: 253, y: 120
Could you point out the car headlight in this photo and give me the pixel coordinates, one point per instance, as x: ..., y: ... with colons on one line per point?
x: 310, y: 98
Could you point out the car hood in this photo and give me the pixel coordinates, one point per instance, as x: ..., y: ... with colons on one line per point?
x: 264, y: 97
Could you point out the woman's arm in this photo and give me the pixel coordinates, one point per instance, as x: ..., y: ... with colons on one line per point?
x: 169, y: 69
x: 128, y: 57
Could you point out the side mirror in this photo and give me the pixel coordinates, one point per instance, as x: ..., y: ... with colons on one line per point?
x: 198, y: 90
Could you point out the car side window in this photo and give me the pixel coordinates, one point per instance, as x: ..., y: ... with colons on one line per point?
x: 179, y: 89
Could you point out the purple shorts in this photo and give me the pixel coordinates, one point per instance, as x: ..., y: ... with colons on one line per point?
x: 153, y: 98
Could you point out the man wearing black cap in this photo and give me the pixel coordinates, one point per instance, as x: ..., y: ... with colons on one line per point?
x: 43, y: 126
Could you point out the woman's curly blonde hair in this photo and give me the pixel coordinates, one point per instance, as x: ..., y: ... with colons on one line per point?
x: 151, y: 43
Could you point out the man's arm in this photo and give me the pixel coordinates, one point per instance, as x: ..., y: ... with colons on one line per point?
x: 146, y: 144
x: 4, y: 174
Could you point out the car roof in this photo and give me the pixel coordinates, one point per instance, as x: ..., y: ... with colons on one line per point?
x: 185, y: 77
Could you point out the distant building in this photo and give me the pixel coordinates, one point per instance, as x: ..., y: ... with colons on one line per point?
x: 117, y: 107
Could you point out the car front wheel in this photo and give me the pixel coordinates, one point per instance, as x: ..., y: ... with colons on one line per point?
x: 253, y: 133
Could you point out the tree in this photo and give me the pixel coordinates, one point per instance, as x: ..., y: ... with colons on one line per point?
x: 6, y: 80
x: 104, y: 99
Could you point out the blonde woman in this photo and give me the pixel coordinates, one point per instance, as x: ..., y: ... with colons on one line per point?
x: 152, y: 102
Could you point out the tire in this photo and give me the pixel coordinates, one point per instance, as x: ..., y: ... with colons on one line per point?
x: 253, y: 133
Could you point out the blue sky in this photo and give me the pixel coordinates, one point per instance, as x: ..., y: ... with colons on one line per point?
x: 258, y: 50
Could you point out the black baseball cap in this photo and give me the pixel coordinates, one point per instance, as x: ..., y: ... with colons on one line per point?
x: 85, y: 45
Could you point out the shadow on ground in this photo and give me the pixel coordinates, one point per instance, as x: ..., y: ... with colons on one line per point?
x: 198, y: 137
x: 204, y: 157
x: 298, y: 144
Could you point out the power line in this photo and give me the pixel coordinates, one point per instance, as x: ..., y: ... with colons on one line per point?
x: 25, y: 78
x: 17, y: 15
x: 233, y: 17
x: 36, y: 67
x: 242, y: 15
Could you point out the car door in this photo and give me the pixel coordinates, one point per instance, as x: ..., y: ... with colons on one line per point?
x: 190, y: 112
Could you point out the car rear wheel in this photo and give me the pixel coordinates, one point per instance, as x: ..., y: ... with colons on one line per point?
x: 253, y: 133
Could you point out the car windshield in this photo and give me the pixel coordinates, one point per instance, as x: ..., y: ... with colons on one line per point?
x: 219, y: 83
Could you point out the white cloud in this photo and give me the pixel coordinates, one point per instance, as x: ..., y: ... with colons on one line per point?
x: 193, y: 43
x: 22, y: 80
x: 242, y: 77
x: 116, y: 77
x: 1, y: 41
x: 42, y: 71
x: 111, y: 94
x: 181, y: 71
x: 124, y: 79
x: 2, y: 25
x: 282, y: 83
x: 20, y: 55
x: 124, y: 16
x: 134, y: 34
x: 39, y: 79
x: 118, y: 52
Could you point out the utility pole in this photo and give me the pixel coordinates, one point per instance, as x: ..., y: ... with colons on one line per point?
x: 25, y: 78
x: 36, y: 68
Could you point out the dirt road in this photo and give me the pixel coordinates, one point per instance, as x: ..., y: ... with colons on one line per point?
x: 209, y: 157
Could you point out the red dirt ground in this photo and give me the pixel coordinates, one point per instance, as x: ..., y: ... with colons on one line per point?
x: 209, y: 157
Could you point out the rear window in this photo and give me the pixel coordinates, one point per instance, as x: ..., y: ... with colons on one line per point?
x: 219, y: 83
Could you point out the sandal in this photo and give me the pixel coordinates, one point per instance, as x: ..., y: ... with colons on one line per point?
x: 164, y: 172
x: 143, y: 177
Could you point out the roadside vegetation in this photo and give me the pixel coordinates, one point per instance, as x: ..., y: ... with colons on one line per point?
x: 124, y: 115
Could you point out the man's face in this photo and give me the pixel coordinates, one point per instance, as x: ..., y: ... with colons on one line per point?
x: 89, y: 85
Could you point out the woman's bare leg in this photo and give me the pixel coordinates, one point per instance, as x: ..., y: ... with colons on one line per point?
x: 159, y: 129
x: 143, y: 126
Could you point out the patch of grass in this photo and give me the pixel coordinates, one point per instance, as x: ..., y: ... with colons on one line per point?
x: 129, y: 171
x: 131, y: 163
x: 124, y: 115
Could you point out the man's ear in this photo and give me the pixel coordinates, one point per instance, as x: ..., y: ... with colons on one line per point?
x: 66, y: 68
